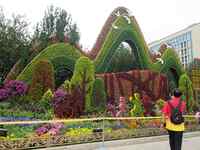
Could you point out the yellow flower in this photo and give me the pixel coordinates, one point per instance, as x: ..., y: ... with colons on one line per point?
x: 130, y: 98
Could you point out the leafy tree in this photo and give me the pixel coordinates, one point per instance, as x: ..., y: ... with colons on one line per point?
x: 14, y: 42
x: 56, y: 24
x: 42, y: 80
x: 83, y: 77
x: 185, y: 85
x: 73, y: 34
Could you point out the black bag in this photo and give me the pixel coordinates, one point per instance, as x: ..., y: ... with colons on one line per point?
x: 176, y: 114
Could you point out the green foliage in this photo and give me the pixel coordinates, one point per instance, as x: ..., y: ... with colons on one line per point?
x: 55, y: 24
x: 73, y: 34
x: 14, y: 41
x: 6, y: 109
x: 15, y: 131
x: 172, y: 66
x: 47, y: 99
x: 137, y: 109
x: 185, y: 85
x: 158, y: 107
x: 122, y: 59
x: 15, y: 71
x: 67, y: 86
x: 98, y: 96
x: 127, y: 32
x: 43, y: 79
x: 78, y: 132
x: 50, y: 53
x: 64, y: 67
x: 83, y: 77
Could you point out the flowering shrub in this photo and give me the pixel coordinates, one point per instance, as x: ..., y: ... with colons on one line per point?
x: 13, y: 88
x: 42, y: 130
x: 16, y: 88
x: 58, y: 97
x: 51, y: 129
x: 4, y: 94
x: 78, y: 132
x: 111, y: 110
x: 68, y: 105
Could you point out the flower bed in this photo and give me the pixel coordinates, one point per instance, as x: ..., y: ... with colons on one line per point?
x: 81, y: 132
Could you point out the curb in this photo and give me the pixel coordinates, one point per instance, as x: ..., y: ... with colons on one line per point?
x: 117, y: 143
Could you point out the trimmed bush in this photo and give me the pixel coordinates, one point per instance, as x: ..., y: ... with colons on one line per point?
x: 98, y: 95
x: 68, y: 105
x: 83, y: 78
x: 47, y: 99
x: 171, y: 67
x: 137, y: 109
x: 50, y: 53
x: 158, y: 107
x: 185, y: 85
x: 43, y: 79
x: 64, y: 68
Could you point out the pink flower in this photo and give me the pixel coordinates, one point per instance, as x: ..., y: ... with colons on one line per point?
x: 197, y: 115
x: 53, y: 131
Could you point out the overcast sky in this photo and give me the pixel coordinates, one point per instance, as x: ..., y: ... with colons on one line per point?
x: 157, y: 18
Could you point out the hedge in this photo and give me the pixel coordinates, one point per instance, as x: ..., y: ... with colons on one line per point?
x: 50, y: 53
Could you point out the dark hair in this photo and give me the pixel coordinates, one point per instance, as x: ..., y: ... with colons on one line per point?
x: 168, y: 97
x: 177, y: 93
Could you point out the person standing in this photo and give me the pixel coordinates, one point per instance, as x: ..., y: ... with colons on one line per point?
x: 174, y: 121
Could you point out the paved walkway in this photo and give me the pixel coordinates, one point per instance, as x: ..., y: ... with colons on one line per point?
x: 191, y: 142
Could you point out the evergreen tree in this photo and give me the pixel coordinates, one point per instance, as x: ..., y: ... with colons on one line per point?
x: 14, y: 42
x: 55, y: 25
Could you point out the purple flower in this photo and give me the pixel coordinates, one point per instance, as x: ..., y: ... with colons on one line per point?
x: 4, y: 94
x: 42, y: 130
x: 53, y: 131
x: 59, y: 96
x: 58, y: 125
x: 16, y: 88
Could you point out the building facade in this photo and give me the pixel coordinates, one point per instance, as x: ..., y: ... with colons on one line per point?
x: 195, y: 78
x: 185, y: 42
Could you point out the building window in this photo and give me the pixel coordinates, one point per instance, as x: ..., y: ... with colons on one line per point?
x: 181, y: 45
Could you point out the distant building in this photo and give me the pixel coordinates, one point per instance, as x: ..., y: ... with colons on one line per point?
x: 195, y: 78
x: 186, y: 43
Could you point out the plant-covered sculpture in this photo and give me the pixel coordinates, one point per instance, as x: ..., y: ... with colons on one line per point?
x: 83, y: 78
x: 136, y: 106
x: 185, y: 85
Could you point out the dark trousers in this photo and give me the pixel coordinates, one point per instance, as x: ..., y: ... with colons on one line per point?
x: 175, y: 139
